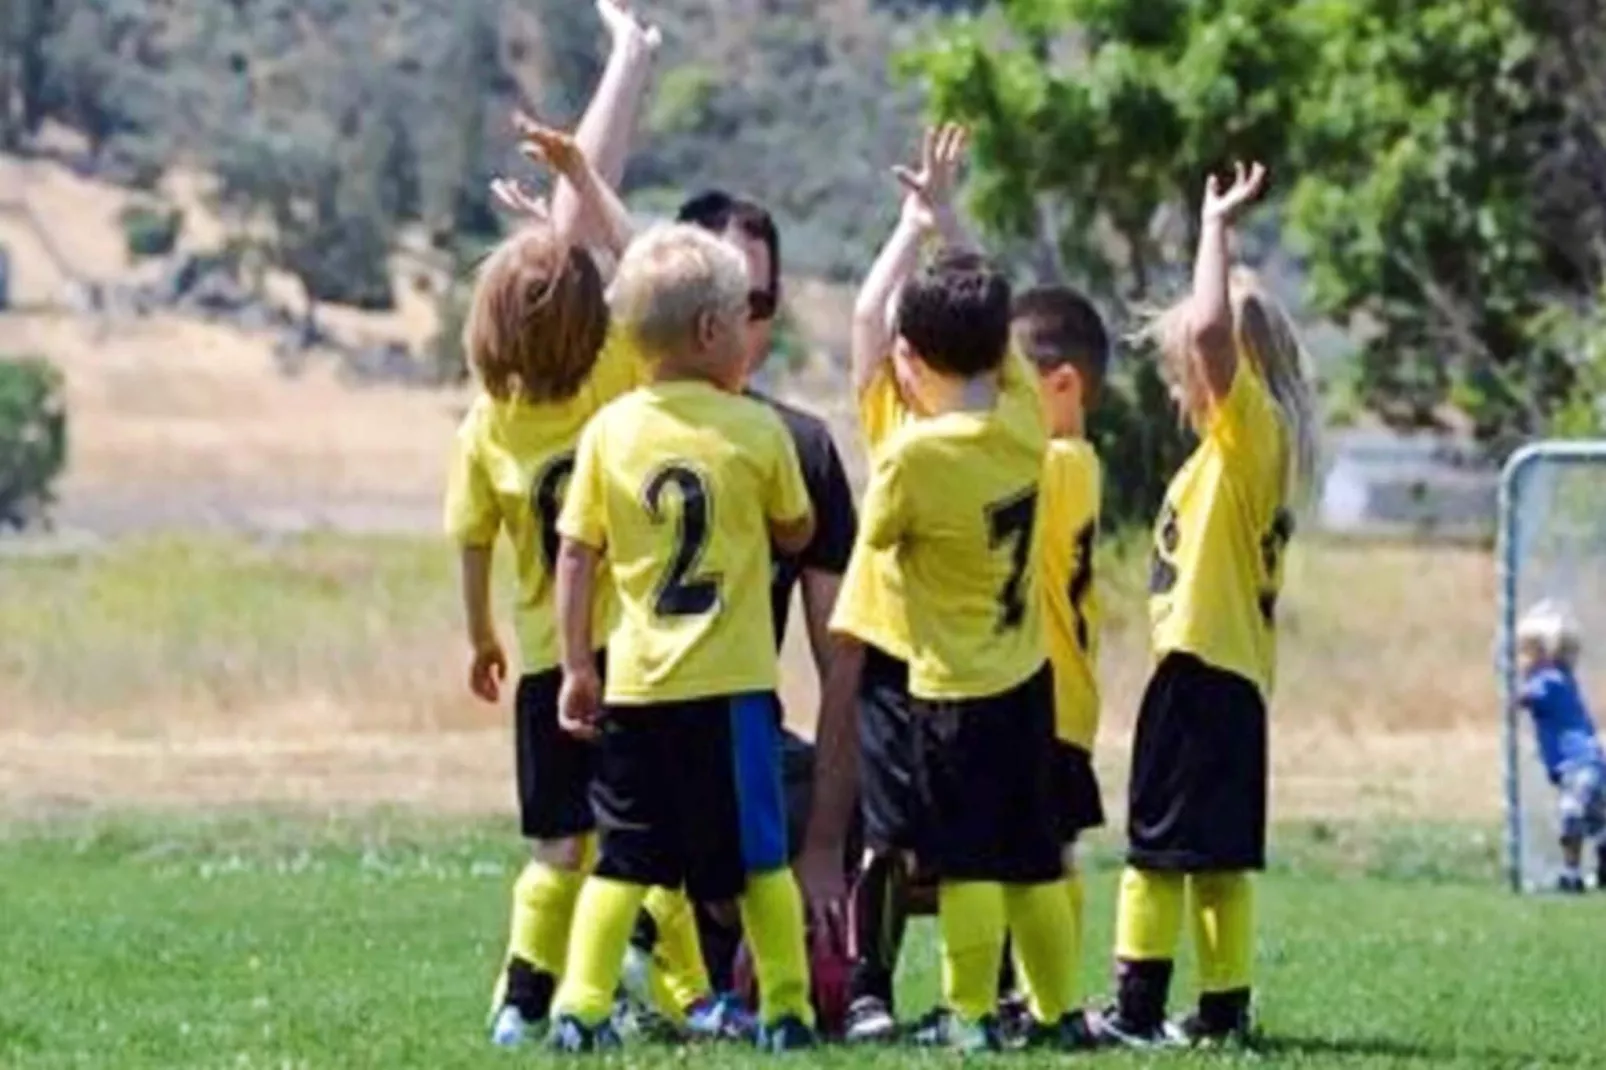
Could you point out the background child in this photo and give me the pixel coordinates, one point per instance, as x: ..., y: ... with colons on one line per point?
x: 1547, y: 653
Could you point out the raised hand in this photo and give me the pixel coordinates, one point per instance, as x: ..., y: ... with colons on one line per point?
x: 513, y: 197
x: 551, y: 147
x: 928, y: 192
x: 1247, y: 186
x: 625, y: 30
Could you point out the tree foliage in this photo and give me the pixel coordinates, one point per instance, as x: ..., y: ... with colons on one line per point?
x: 1441, y: 162
x: 33, y: 438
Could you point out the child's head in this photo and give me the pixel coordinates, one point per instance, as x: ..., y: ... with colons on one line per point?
x: 537, y: 319
x: 1266, y: 337
x: 1547, y: 635
x: 1058, y: 330
x: 953, y: 323
x: 681, y: 295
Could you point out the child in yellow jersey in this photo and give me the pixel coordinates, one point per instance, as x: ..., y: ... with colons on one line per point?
x: 1059, y: 331
x: 953, y: 497
x: 1197, y: 800
x: 535, y: 338
x: 678, y: 491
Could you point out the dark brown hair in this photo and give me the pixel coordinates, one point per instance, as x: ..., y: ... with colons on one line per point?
x: 955, y: 314
x: 537, y: 320
x: 1057, y: 325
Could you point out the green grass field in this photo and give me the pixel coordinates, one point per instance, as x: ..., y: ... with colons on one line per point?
x: 290, y: 942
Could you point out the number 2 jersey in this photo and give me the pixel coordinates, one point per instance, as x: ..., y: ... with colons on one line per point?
x: 1217, y: 565
x: 956, y: 496
x: 1069, y: 504
x: 510, y: 466
x: 676, y: 484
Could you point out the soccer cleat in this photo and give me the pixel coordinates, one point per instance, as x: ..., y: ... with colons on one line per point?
x: 1110, y: 1030
x: 1073, y: 1032
x: 942, y: 1028
x: 869, y: 1021
x: 1194, y: 1032
x: 510, y: 1028
x: 785, y: 1035
x: 1015, y: 1022
x: 721, y: 1017
x: 570, y: 1036
x: 1570, y: 883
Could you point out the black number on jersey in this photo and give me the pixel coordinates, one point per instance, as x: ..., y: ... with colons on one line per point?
x: 546, y: 498
x: 1082, y: 580
x: 1167, y: 537
x: 1272, y: 544
x: 1011, y: 521
x: 680, y: 593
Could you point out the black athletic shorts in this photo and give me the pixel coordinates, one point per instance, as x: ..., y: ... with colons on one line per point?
x: 889, y: 793
x: 1077, y: 805
x: 1197, y: 799
x: 689, y: 793
x: 554, y: 768
x: 985, y: 777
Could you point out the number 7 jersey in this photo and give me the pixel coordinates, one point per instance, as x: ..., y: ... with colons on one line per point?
x: 676, y: 484
x: 1069, y: 504
x: 956, y: 497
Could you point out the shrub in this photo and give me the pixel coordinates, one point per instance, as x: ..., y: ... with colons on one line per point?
x: 33, y: 438
x: 150, y: 230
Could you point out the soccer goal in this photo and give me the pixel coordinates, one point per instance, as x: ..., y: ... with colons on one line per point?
x: 1552, y: 544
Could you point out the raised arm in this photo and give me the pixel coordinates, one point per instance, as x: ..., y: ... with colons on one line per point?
x: 1210, y: 314
x: 612, y: 227
x: 609, y: 120
x: 927, y: 208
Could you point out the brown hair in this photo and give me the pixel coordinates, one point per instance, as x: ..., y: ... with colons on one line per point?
x: 537, y: 320
x: 1055, y: 325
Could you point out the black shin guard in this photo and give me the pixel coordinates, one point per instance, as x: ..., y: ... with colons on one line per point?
x: 880, y: 910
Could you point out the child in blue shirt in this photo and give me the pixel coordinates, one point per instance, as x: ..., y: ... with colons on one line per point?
x: 1547, y: 650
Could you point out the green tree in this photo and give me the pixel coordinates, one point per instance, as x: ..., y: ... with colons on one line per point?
x: 33, y: 438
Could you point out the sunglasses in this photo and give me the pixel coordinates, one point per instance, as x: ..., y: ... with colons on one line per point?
x: 760, y: 306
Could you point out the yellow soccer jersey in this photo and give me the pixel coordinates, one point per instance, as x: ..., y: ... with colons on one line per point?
x: 955, y: 497
x: 1069, y: 506
x: 869, y: 604
x: 1219, y: 541
x: 676, y: 484
x: 510, y: 465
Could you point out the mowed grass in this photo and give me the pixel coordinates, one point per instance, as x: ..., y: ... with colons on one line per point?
x: 285, y: 942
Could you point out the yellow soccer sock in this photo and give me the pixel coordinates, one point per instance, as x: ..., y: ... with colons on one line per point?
x: 772, y: 917
x: 538, y: 935
x: 1148, y: 918
x: 603, y: 918
x: 972, y: 920
x: 1224, y: 930
x: 1045, y: 945
x: 679, y: 976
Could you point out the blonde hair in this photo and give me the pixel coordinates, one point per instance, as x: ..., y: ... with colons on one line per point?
x: 1265, y: 335
x: 1550, y: 629
x: 669, y: 278
x: 537, y: 319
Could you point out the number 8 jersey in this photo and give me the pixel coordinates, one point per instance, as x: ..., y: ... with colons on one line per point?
x: 956, y: 496
x: 1072, y: 486
x: 510, y: 465
x: 676, y: 484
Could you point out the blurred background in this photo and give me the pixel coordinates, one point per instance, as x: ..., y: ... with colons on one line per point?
x: 235, y: 241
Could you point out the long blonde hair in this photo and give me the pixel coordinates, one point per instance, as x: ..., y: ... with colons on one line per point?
x: 1265, y: 335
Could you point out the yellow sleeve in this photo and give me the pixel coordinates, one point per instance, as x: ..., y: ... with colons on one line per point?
x: 584, y: 518
x: 1246, y: 423
x: 471, y: 513
x: 1019, y: 377
x: 886, y: 502
x: 881, y: 408
x: 619, y: 369
x: 788, y: 498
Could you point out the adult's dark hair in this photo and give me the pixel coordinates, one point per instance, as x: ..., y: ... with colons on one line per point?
x: 718, y: 211
x: 955, y: 313
x: 1057, y: 325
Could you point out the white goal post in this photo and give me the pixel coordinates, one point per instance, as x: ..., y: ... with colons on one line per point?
x: 1551, y: 544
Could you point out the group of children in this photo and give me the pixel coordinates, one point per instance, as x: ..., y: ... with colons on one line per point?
x: 647, y: 498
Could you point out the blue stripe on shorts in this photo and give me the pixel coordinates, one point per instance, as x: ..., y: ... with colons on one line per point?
x: 760, y: 794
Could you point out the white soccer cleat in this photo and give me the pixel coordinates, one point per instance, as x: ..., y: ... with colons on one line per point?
x: 510, y: 1030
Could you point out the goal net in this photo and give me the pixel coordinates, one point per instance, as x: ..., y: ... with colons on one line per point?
x: 1552, y: 545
